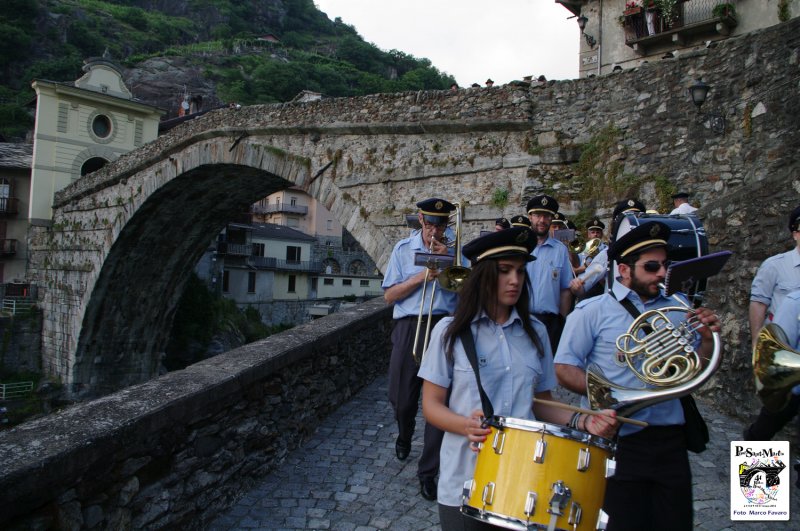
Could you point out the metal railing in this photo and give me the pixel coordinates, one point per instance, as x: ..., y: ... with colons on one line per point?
x: 9, y: 206
x: 15, y: 305
x: 266, y: 262
x: 15, y: 390
x: 649, y: 21
x: 239, y: 249
x: 280, y: 207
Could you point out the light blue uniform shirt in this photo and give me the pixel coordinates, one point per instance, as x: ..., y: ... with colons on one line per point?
x: 788, y: 318
x: 596, y: 271
x: 590, y: 336
x: 778, y: 276
x: 550, y: 273
x: 511, y: 372
x: 401, y: 267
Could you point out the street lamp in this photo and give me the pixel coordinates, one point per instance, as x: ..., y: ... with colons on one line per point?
x: 699, y: 92
x: 582, y: 25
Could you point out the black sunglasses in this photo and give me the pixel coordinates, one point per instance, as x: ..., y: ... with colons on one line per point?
x: 653, y: 266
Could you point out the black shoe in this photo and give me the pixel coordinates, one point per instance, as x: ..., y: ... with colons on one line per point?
x: 427, y: 487
x: 402, y: 449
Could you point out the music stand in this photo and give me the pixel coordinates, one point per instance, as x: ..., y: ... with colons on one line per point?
x: 433, y: 260
x: 684, y: 276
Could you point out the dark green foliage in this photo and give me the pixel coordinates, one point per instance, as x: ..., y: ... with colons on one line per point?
x: 195, y: 317
x: 201, y: 316
x: 315, y: 53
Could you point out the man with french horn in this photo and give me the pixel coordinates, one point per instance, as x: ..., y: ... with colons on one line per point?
x: 652, y: 486
x: 776, y: 278
x: 404, y: 285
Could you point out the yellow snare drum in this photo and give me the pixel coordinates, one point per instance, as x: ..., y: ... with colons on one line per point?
x: 535, y: 475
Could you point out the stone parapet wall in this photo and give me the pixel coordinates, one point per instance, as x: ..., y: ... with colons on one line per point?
x: 754, y: 229
x: 172, y: 452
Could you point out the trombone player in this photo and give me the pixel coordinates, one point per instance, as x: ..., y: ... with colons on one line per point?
x: 403, y: 285
x: 652, y: 486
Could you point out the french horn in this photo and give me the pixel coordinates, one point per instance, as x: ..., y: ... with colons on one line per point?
x: 662, y: 355
x: 776, y: 367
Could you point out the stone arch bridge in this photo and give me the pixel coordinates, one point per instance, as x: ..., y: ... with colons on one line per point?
x: 124, y: 239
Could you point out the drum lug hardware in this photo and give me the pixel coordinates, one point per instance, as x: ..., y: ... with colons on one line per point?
x: 602, y: 521
x: 574, y: 514
x: 498, y: 442
x: 611, y: 467
x: 583, y: 459
x: 538, y: 454
x: 466, y: 493
x: 561, y: 496
x: 488, y: 494
x: 530, y: 504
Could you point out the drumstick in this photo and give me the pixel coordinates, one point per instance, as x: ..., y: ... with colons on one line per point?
x: 588, y: 411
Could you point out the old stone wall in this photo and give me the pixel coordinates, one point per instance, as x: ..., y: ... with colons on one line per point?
x: 172, y: 452
x: 754, y: 229
x: 21, y: 342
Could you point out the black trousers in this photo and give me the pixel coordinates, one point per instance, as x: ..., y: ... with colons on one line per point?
x: 554, y: 323
x: 652, y: 487
x: 404, y: 392
x: 769, y: 423
x: 451, y: 519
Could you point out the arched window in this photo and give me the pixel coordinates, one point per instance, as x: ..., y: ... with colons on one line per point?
x: 357, y: 267
x: 93, y: 164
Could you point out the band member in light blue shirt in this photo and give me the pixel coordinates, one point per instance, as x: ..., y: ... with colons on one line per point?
x: 777, y: 276
x: 652, y: 487
x: 551, y: 271
x: 403, y: 286
x: 513, y: 357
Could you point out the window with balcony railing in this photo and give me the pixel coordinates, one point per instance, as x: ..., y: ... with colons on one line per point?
x: 645, y: 24
x: 8, y: 246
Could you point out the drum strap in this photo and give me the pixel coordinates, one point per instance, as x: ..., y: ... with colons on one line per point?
x: 468, y: 342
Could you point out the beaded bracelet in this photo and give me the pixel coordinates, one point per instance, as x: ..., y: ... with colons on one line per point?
x: 573, y: 422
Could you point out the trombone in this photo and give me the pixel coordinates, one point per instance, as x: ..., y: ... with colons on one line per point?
x: 451, y: 278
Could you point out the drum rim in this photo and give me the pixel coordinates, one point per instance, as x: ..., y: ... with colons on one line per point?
x: 558, y: 430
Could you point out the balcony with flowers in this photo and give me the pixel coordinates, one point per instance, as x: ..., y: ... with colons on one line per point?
x: 649, y: 23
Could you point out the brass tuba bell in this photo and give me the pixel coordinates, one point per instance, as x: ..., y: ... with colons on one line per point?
x: 776, y: 367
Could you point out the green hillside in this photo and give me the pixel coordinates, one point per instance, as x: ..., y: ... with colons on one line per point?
x: 222, y: 39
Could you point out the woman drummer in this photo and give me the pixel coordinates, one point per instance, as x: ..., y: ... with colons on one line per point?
x: 514, y: 359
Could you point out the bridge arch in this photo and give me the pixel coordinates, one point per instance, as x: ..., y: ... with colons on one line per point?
x: 124, y: 239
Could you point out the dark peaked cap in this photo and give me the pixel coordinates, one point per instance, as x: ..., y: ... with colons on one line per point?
x: 595, y: 223
x: 542, y: 203
x: 435, y: 210
x: 516, y: 242
x: 503, y: 222
x: 642, y: 238
x: 520, y: 221
x: 627, y: 205
x: 794, y: 219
